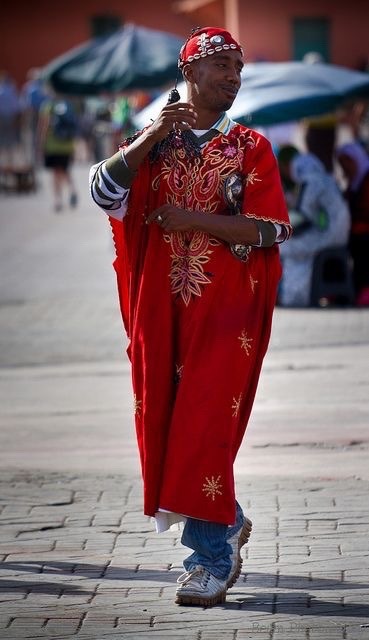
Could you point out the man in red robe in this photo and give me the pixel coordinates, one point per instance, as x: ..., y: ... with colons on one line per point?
x: 197, y: 212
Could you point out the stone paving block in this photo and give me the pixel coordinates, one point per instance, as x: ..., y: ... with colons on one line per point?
x: 26, y: 548
x: 351, y: 549
x: 89, y: 572
x: 357, y: 632
x: 104, y: 545
x: 259, y: 547
x: 28, y: 625
x: 294, y: 582
x: 214, y: 635
x: 324, y: 554
x: 330, y: 632
x: 99, y: 628
x: 356, y: 576
x: 319, y: 527
x: 301, y: 553
x: 78, y: 520
x: 159, y: 543
x: 12, y: 609
x: 261, y: 602
x: 149, y: 634
x: 252, y: 634
x: 5, y: 621
x: 132, y: 625
x: 126, y: 571
x: 10, y: 569
x: 341, y: 563
x: 26, y: 634
x: 199, y: 620
x: 296, y: 626
x: 125, y: 540
x: 73, y: 546
x: 72, y: 598
x: 67, y: 626
x: 358, y: 597
x: 272, y: 630
x: 129, y: 595
x: 9, y: 596
x: 253, y: 580
x: 111, y: 518
x: 48, y: 594
x: 9, y: 532
x: 14, y: 511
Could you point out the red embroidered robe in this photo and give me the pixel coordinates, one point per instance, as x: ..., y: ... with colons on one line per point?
x: 198, y: 320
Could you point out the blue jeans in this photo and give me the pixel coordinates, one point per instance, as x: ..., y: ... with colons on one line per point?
x: 209, y: 542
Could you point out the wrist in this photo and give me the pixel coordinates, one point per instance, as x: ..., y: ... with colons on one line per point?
x: 196, y: 218
x: 153, y: 137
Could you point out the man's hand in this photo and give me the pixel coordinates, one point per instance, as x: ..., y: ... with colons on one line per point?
x: 179, y: 115
x: 171, y: 218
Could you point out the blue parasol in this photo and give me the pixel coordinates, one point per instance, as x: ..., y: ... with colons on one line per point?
x: 274, y: 92
x: 131, y: 58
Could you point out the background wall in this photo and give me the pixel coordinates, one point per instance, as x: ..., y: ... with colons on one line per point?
x: 33, y: 33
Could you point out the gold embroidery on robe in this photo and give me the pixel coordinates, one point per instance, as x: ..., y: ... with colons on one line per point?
x: 245, y: 342
x: 189, y: 255
x: 178, y: 373
x: 236, y: 406
x: 253, y: 283
x: 212, y: 487
x: 252, y: 177
x: 137, y: 404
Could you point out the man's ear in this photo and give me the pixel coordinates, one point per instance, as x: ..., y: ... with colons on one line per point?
x: 188, y: 73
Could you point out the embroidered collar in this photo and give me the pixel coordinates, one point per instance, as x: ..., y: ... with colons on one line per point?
x: 224, y: 124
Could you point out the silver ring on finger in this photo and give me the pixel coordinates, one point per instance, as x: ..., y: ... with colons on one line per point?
x: 159, y: 219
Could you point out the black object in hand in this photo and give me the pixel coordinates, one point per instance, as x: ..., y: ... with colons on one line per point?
x: 173, y: 96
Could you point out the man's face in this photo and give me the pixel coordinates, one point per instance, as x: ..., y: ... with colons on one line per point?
x: 215, y: 80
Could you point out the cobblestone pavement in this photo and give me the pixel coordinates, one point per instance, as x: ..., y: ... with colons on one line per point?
x: 80, y: 560
x: 77, y: 557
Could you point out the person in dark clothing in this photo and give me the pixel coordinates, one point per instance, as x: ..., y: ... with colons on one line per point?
x: 354, y: 161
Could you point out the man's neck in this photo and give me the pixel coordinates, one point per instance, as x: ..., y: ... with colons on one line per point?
x: 206, y: 119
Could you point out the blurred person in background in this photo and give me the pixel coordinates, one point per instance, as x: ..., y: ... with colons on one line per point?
x: 354, y: 162
x: 102, y: 133
x: 319, y: 216
x: 33, y: 95
x: 320, y: 138
x: 10, y: 112
x: 122, y: 113
x: 320, y: 131
x: 57, y: 133
x: 354, y: 120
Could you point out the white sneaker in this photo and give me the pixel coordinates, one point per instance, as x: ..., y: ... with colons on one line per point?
x: 200, y: 587
x: 237, y: 541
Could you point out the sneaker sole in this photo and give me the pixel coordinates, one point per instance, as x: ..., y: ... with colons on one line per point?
x: 196, y: 600
x: 243, y: 539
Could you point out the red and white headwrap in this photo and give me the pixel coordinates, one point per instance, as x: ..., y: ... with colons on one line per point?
x: 205, y: 42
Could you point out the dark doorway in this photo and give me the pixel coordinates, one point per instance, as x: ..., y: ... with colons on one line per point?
x: 311, y: 35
